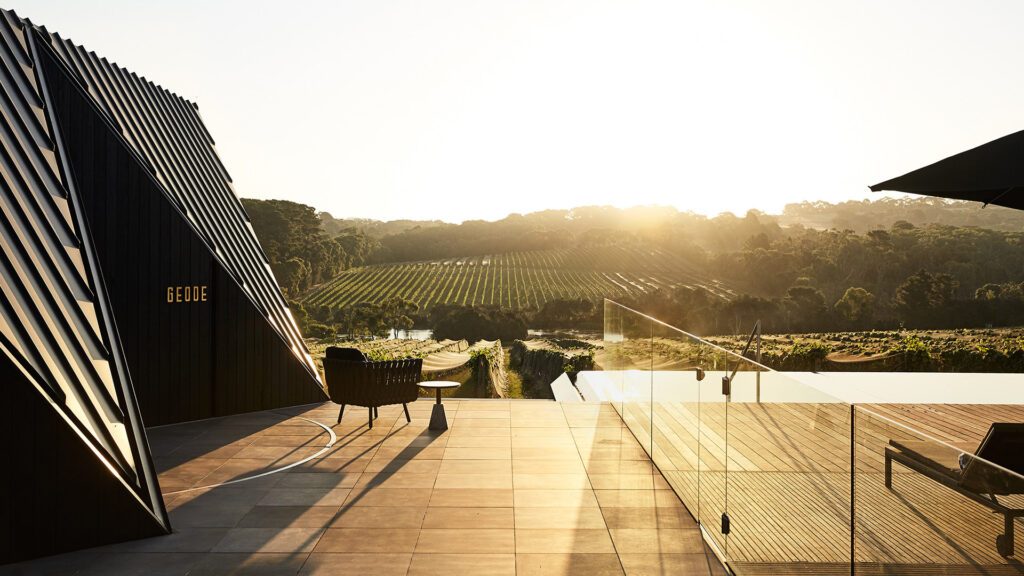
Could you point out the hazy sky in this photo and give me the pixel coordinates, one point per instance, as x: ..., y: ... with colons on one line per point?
x: 459, y: 109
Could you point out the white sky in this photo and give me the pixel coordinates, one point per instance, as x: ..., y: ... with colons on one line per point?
x: 460, y: 109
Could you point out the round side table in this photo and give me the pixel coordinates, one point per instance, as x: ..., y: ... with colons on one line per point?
x: 437, y: 417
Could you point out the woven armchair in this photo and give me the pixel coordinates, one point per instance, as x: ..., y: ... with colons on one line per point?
x: 352, y: 380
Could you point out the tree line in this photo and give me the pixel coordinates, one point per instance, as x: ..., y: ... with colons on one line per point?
x: 301, y: 253
x: 913, y: 273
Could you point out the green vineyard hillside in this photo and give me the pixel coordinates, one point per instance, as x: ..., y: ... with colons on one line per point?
x: 515, y: 280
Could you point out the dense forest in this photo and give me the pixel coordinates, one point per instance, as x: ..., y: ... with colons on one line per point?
x: 301, y: 252
x: 865, y: 215
x: 884, y: 264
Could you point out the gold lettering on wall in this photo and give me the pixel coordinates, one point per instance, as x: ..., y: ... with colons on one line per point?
x: 186, y: 294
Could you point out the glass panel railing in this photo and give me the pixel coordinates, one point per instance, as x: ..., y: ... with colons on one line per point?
x: 810, y: 483
x: 713, y: 446
x: 735, y: 439
x: 788, y: 476
x: 925, y: 505
x: 678, y: 361
x: 627, y: 361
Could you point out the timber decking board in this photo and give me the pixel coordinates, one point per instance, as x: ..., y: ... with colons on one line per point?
x: 788, y: 485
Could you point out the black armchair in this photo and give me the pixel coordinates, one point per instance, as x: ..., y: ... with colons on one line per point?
x: 352, y: 380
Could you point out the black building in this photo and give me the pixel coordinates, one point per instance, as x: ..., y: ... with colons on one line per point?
x: 134, y: 293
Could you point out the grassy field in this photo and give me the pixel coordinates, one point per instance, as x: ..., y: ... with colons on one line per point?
x: 516, y: 280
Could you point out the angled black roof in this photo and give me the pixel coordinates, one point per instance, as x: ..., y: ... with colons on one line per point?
x: 167, y: 133
x: 54, y: 321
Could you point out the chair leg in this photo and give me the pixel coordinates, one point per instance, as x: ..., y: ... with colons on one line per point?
x: 1004, y: 541
x: 341, y: 413
x: 375, y: 413
x: 371, y: 418
x: 406, y: 408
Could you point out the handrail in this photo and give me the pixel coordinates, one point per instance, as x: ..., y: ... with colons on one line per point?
x: 694, y: 336
x: 857, y: 406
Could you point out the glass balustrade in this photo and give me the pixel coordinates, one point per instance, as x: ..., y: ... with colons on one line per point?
x: 785, y: 478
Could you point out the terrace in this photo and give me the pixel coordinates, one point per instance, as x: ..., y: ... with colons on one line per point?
x: 636, y: 479
x: 513, y: 487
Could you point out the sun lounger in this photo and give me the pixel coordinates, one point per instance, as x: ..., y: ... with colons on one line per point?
x: 971, y: 474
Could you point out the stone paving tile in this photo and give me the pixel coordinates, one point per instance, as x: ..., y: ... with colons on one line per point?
x: 212, y: 514
x: 492, y: 453
x: 648, y: 518
x: 472, y: 423
x: 471, y: 413
x: 466, y: 541
x: 333, y: 564
x: 142, y: 564
x: 191, y: 540
x: 658, y: 540
x: 441, y: 517
x: 456, y: 564
x: 576, y: 466
x: 317, y: 480
x: 529, y: 432
x: 628, y: 482
x: 284, y: 540
x: 305, y: 496
x: 370, y: 496
x: 524, y: 487
x: 552, y: 517
x: 542, y: 441
x: 369, y: 540
x: 467, y: 431
x: 569, y: 565
x: 289, y: 517
x: 563, y: 541
x: 399, y: 479
x: 619, y: 467
x: 380, y: 517
x: 561, y: 481
x: 530, y: 498
x: 474, y: 481
x: 475, y: 467
x: 259, y: 564
x: 480, y: 442
x: 471, y: 497
x: 662, y: 564
x: 546, y: 453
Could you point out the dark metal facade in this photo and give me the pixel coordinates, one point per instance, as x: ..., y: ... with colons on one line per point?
x: 132, y: 287
x: 168, y: 136
x: 69, y: 409
x: 211, y: 351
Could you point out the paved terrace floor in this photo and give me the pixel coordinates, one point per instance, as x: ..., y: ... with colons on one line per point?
x: 520, y: 487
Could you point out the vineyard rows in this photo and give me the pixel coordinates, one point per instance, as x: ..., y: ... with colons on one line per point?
x: 514, y: 280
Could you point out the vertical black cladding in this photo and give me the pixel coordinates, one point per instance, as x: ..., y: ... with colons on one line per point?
x: 196, y: 343
x: 55, y: 494
x: 130, y: 281
x: 76, y: 467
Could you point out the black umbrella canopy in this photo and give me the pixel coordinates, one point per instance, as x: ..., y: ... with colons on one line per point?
x: 992, y: 173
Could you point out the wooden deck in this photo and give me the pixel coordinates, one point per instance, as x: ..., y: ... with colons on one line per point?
x: 788, y: 485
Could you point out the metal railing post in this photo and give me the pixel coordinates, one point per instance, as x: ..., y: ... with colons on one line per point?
x: 757, y: 327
